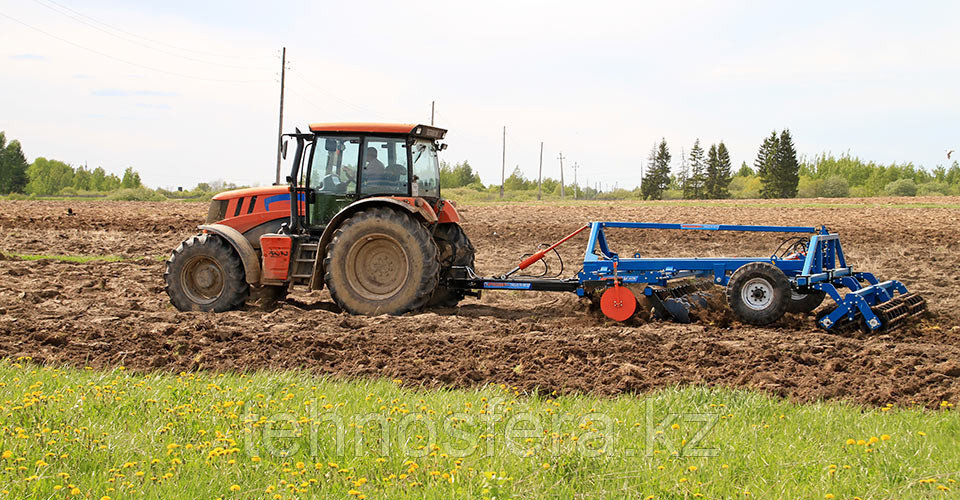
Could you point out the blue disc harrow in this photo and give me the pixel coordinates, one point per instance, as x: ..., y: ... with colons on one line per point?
x: 758, y: 289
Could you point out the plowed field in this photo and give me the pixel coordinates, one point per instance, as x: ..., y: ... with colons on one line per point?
x: 105, y: 314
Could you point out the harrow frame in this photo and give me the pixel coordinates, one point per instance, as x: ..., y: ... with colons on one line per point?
x: 822, y: 268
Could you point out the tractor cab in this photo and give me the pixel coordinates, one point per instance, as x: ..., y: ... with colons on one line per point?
x: 337, y: 164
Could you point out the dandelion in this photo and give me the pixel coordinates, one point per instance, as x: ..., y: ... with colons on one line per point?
x: 235, y: 487
x: 921, y: 433
x: 885, y: 437
x: 7, y: 454
x: 545, y: 465
x: 828, y: 496
x: 692, y: 468
x: 851, y: 441
x: 675, y: 426
x: 254, y: 459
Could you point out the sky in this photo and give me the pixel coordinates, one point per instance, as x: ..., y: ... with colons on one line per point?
x: 187, y: 91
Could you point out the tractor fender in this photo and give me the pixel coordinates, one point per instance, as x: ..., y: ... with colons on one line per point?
x: 418, y: 207
x: 251, y: 262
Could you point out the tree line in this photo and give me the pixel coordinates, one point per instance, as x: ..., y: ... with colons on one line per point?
x: 47, y: 177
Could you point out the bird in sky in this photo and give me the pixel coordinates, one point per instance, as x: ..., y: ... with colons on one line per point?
x: 949, y: 152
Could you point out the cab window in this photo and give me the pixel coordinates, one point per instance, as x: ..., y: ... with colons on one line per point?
x: 425, y: 170
x: 334, y: 166
x: 384, y: 167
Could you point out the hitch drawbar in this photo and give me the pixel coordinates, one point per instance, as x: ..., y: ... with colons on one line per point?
x: 760, y: 289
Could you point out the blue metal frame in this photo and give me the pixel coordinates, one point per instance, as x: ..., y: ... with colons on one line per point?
x: 824, y: 268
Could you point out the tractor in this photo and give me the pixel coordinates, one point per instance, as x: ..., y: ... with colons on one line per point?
x: 361, y: 214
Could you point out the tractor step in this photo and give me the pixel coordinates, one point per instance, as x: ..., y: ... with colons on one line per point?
x: 303, y: 262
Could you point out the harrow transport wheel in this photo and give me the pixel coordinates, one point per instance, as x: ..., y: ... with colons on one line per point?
x: 758, y: 293
x: 381, y: 261
x: 455, y: 250
x: 205, y: 274
x: 804, y: 302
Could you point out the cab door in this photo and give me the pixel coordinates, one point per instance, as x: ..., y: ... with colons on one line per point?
x: 332, y: 177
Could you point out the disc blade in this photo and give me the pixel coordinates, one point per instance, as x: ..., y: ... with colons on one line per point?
x: 618, y: 303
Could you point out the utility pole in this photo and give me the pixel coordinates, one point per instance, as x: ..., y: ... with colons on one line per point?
x: 283, y: 76
x: 576, y: 188
x: 503, y: 164
x: 561, y: 175
x: 540, y: 175
x: 431, y: 112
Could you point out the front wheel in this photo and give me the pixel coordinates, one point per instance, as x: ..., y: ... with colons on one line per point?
x: 205, y: 274
x: 758, y: 293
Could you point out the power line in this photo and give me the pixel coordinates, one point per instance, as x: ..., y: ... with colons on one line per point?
x: 131, y: 63
x: 158, y: 42
x: 303, y: 78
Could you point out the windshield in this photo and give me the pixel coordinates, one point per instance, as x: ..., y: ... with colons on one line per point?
x: 425, y: 170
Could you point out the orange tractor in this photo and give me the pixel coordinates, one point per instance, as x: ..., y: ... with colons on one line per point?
x: 362, y: 214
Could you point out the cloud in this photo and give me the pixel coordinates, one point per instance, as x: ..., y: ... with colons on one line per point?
x: 153, y: 106
x: 29, y: 57
x: 128, y: 93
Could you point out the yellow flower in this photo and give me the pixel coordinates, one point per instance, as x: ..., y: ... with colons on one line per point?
x: 828, y: 496
x: 921, y: 433
x: 57, y: 487
x: 7, y: 454
x: 104, y: 498
x: 235, y: 487
x: 254, y: 459
x: 873, y: 439
x: 885, y: 437
x: 545, y: 465
x: 675, y: 426
x: 692, y: 468
x: 851, y: 441
x: 353, y: 492
x: 75, y: 491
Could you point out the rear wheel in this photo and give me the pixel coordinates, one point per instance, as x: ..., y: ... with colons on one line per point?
x: 205, y: 274
x: 381, y: 261
x: 455, y: 250
x: 758, y: 293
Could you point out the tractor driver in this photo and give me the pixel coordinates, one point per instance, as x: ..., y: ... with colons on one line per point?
x: 373, y: 166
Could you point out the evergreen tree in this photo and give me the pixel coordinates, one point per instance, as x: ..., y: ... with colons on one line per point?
x: 694, y: 188
x: 745, y: 170
x: 713, y: 168
x: 657, y: 179
x: 684, y: 177
x: 719, y: 172
x: 788, y: 168
x: 13, y: 167
x: 766, y: 164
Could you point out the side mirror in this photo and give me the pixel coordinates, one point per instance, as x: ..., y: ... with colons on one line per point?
x: 443, y: 146
x: 283, y: 149
x: 330, y: 145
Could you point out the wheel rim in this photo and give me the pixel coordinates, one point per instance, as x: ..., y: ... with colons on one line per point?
x: 757, y: 294
x: 796, y: 296
x: 202, y: 279
x: 376, y: 266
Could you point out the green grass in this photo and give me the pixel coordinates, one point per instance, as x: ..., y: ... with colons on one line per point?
x: 64, y: 258
x: 259, y: 435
